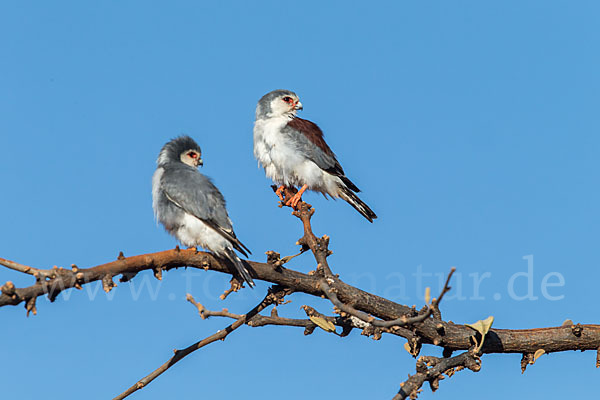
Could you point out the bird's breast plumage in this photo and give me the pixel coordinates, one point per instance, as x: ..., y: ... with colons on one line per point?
x: 284, y: 160
x: 274, y: 151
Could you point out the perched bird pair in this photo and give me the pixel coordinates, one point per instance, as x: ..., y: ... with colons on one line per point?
x: 292, y: 151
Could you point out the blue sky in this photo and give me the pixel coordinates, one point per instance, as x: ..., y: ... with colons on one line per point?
x: 471, y: 127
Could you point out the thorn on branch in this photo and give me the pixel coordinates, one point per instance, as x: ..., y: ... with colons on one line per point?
x: 530, y: 358
x: 120, y: 256
x: 577, y: 330
x: 53, y: 287
x: 526, y: 360
x: 320, y: 270
x: 277, y: 293
x: 236, y: 285
x: 127, y: 276
x: 107, y: 283
x: 30, y: 306
x: 413, y: 346
x: 205, y: 263
x: 431, y: 369
x: 272, y: 258
x: 439, y: 327
x: 9, y: 289
x: 369, y: 330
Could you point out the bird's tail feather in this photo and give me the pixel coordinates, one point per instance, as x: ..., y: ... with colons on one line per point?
x: 359, y: 205
x: 239, y: 266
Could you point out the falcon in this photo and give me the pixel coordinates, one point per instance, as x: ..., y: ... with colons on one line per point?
x: 294, y: 153
x: 190, y: 206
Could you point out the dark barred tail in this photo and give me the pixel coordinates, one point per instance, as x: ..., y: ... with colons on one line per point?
x: 239, y: 266
x: 352, y: 199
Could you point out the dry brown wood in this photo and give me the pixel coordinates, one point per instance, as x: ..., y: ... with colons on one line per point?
x: 453, y: 336
x: 372, y: 313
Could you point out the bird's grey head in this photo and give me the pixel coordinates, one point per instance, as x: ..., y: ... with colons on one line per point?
x: 181, y: 149
x: 278, y: 103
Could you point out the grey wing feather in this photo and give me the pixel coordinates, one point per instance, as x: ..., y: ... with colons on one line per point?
x: 325, y: 160
x: 193, y: 192
x: 310, y: 150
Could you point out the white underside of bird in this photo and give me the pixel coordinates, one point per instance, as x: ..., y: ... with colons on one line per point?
x: 284, y: 164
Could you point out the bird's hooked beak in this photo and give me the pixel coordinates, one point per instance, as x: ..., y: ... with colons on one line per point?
x: 298, y: 106
x: 199, y: 162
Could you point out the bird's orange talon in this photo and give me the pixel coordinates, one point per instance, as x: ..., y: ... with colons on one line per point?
x: 293, y: 202
x: 278, y: 192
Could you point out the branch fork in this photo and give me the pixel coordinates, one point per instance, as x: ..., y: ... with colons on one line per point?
x: 356, y: 309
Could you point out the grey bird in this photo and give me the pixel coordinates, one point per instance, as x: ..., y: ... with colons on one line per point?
x: 190, y: 206
x: 293, y: 152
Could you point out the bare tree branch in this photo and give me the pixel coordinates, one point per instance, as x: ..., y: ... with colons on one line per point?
x: 402, y: 321
x: 452, y: 336
x: 347, y: 324
x: 357, y: 309
x: 318, y: 246
x: 431, y: 369
x: 274, y: 296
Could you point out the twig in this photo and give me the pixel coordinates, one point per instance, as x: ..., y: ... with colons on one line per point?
x: 456, y: 337
x: 318, y: 246
x: 236, y: 285
x: 262, y: 320
x: 18, y: 267
x: 39, y: 274
x: 274, y: 296
x: 347, y: 324
x: 358, y: 309
x: 402, y: 321
x: 431, y: 369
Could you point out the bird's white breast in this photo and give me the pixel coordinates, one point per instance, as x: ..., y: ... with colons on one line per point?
x: 284, y: 163
x: 194, y: 232
x: 156, y: 189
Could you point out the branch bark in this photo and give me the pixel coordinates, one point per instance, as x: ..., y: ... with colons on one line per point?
x: 274, y: 296
x: 431, y: 369
x: 447, y: 334
x: 372, y: 313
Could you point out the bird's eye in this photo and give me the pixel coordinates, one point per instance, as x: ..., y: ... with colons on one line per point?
x: 287, y: 99
x: 192, y: 154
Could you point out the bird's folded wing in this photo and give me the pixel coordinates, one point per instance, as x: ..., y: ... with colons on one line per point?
x: 197, y: 195
x: 308, y: 138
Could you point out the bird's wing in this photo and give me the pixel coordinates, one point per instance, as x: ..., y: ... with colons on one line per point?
x: 195, y: 193
x: 309, y: 140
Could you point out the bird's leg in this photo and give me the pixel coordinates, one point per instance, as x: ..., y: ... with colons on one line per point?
x: 278, y: 192
x: 297, y: 197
